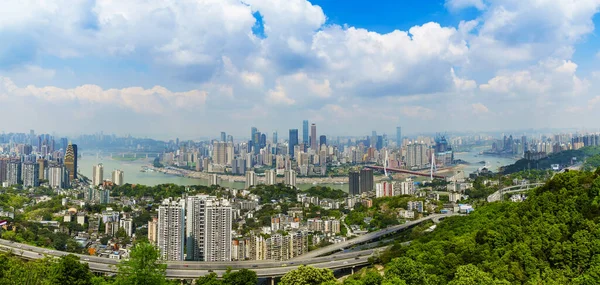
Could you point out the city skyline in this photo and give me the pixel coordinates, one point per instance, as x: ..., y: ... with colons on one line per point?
x: 454, y: 65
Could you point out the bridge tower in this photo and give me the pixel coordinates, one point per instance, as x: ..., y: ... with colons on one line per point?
x: 385, y: 164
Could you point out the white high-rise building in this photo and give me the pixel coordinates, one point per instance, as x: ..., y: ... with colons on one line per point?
x: 127, y: 225
x: 218, y: 231
x: 208, y: 229
x: 58, y: 176
x: 118, y: 177
x: 170, y: 230
x: 270, y: 176
x: 290, y: 177
x: 31, y: 174
x: 97, y: 174
x: 250, y: 179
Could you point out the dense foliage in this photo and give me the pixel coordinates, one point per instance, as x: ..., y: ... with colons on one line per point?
x: 550, y: 238
x: 162, y: 191
x: 280, y: 191
x: 325, y: 192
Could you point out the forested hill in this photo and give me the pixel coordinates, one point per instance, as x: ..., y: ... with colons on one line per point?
x: 553, y: 237
x: 562, y: 158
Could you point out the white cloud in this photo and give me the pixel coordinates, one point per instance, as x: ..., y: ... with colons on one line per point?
x: 461, y: 4
x: 479, y: 108
x: 514, y: 53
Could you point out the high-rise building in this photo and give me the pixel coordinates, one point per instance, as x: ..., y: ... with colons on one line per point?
x: 70, y: 161
x: 31, y: 173
x: 58, y: 176
x: 293, y: 141
x: 275, y: 137
x: 373, y: 140
x: 127, y: 225
x: 219, y: 153
x: 213, y: 179
x: 218, y: 231
x: 250, y: 179
x: 416, y: 155
x: 366, y: 180
x: 270, y: 176
x: 153, y: 231
x: 43, y: 164
x: 223, y: 137
x: 354, y: 183
x: 290, y: 177
x: 97, y: 174
x: 170, y: 230
x: 3, y: 167
x: 379, y: 142
x: 305, y: 133
x: 13, y: 172
x: 118, y: 177
x: 322, y: 141
x: 208, y: 229
x: 398, y: 136
x: 314, y: 144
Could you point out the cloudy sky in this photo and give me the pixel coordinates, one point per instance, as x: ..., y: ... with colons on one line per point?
x: 195, y: 68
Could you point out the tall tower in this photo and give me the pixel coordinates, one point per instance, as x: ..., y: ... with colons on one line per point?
x: 398, y: 136
x: 250, y: 179
x: 217, y: 241
x: 97, y: 174
x: 170, y: 230
x: 293, y: 141
x: 31, y: 173
x: 305, y: 132
x: 117, y: 177
x: 223, y: 137
x: 70, y: 161
x: 314, y: 144
x: 354, y: 183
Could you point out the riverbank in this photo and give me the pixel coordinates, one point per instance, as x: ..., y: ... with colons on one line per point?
x: 241, y: 178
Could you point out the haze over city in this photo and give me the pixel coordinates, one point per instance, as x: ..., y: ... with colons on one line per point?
x: 192, y: 69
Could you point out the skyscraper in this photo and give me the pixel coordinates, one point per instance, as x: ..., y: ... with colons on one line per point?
x: 270, y: 177
x: 58, y: 176
x: 71, y: 161
x: 117, y: 177
x: 13, y: 172
x: 354, y: 183
x: 31, y: 174
x: 366, y: 180
x: 322, y: 140
x: 223, y: 137
x: 170, y: 230
x: 398, y: 136
x: 305, y: 133
x: 43, y: 164
x: 250, y: 179
x: 275, y: 138
x: 373, y: 139
x: 218, y: 231
x: 314, y: 144
x: 293, y: 141
x: 97, y: 174
x: 3, y: 167
x: 219, y: 155
x: 290, y: 177
x: 195, y: 227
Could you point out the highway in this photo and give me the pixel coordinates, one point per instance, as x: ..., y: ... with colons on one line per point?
x: 265, y: 268
x: 367, y: 237
x: 497, y: 196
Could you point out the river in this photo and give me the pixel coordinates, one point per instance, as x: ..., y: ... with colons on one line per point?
x: 133, y: 175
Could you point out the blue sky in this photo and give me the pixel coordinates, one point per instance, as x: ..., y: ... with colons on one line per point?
x: 351, y: 66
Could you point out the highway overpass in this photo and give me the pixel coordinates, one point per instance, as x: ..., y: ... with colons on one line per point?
x: 264, y: 269
x: 498, y: 195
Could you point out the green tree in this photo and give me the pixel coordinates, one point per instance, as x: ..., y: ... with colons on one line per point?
x: 143, y: 267
x: 210, y: 279
x: 241, y: 277
x: 69, y: 271
x: 471, y: 275
x: 307, y: 275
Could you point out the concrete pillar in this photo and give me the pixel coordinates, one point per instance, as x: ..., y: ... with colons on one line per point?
x: 272, y: 280
x: 352, y: 270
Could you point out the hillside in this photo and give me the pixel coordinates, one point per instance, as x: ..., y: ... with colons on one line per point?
x: 553, y: 237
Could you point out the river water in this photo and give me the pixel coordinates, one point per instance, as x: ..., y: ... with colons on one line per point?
x: 133, y: 175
